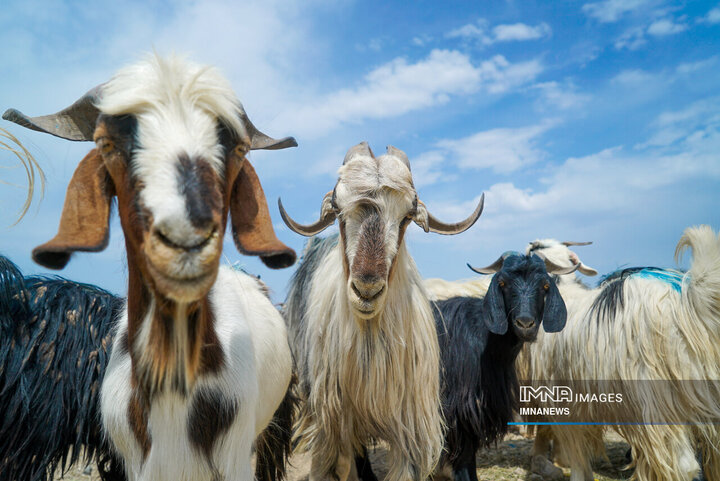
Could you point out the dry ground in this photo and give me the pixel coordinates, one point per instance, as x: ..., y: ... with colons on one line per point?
x: 509, y: 461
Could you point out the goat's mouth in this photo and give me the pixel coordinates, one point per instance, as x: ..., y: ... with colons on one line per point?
x: 366, y: 308
x: 526, y: 334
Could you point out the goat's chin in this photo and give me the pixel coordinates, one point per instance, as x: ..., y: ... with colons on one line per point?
x: 366, y: 310
x: 526, y: 335
x: 187, y: 284
x: 187, y: 289
x: 183, y: 276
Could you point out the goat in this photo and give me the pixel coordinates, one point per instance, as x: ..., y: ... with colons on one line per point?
x: 654, y: 332
x: 479, y: 339
x: 55, y: 338
x: 361, y: 327
x: 200, y: 363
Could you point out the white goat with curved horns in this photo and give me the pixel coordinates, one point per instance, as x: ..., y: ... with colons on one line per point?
x: 361, y: 326
x: 655, y: 332
x: 200, y: 361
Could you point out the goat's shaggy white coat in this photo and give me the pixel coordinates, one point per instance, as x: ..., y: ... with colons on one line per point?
x: 658, y: 335
x: 368, y: 379
x: 440, y: 289
x: 253, y: 337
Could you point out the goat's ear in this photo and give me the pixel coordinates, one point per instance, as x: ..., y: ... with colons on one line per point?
x: 555, y: 313
x: 252, y: 228
x: 85, y: 219
x: 495, y: 315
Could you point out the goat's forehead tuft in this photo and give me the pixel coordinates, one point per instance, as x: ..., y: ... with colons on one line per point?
x: 363, y: 174
x: 170, y: 84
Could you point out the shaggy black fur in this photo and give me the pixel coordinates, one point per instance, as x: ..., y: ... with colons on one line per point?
x: 479, y: 340
x: 55, y: 339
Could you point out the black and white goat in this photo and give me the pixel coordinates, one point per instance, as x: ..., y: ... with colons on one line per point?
x: 55, y: 338
x: 361, y: 327
x: 479, y: 339
x: 655, y: 333
x: 200, y: 363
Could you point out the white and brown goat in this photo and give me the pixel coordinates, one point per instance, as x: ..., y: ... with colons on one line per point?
x: 361, y: 326
x: 200, y: 361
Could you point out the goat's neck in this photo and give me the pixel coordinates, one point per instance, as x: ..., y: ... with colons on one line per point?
x: 171, y: 344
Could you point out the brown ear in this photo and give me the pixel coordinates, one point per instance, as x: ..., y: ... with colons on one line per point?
x: 84, y: 223
x: 252, y: 228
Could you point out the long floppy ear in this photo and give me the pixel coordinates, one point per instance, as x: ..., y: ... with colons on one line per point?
x: 85, y: 219
x: 494, y: 304
x: 252, y: 228
x: 555, y: 313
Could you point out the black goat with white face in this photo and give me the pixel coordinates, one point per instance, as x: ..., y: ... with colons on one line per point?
x: 479, y: 340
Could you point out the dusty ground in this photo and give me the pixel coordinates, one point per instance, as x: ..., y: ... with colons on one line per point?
x: 509, y: 461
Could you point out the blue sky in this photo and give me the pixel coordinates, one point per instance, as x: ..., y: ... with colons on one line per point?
x: 581, y: 121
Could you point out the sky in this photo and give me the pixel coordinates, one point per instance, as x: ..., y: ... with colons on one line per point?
x: 582, y: 121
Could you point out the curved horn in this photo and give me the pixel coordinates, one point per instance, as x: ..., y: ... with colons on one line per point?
x: 260, y: 141
x: 399, y: 154
x: 570, y: 243
x: 491, y: 269
x: 327, y: 217
x: 553, y: 268
x: 361, y: 149
x: 76, y: 122
x: 449, y: 229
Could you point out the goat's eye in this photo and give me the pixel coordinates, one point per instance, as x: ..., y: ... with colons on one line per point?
x: 501, y: 283
x: 546, y: 286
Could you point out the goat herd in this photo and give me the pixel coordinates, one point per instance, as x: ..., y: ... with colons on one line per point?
x: 196, y: 369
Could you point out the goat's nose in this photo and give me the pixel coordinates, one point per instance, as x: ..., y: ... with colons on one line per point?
x: 183, y: 237
x: 525, y: 322
x: 368, y: 287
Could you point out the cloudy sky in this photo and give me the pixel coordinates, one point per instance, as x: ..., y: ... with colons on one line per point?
x: 595, y: 121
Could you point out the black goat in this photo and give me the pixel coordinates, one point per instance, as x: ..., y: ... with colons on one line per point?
x: 55, y: 339
x: 479, y: 340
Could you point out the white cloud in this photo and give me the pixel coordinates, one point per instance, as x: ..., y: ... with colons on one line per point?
x: 471, y: 30
x: 615, y: 178
x: 609, y: 11
x: 499, y: 75
x: 631, y: 39
x: 520, y: 31
x: 427, y: 168
x: 665, y: 26
x: 713, y: 16
x: 500, y: 33
x: 616, y: 191
x: 502, y: 150
x: 399, y: 87
x: 562, y: 96
x: 636, y: 37
x: 421, y: 40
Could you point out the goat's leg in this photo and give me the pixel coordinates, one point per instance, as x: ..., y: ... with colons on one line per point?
x: 709, y: 452
x: 340, y: 469
x: 662, y: 451
x: 400, y: 468
x: 464, y: 467
x: 576, y: 449
x: 541, y: 445
x: 363, y: 466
